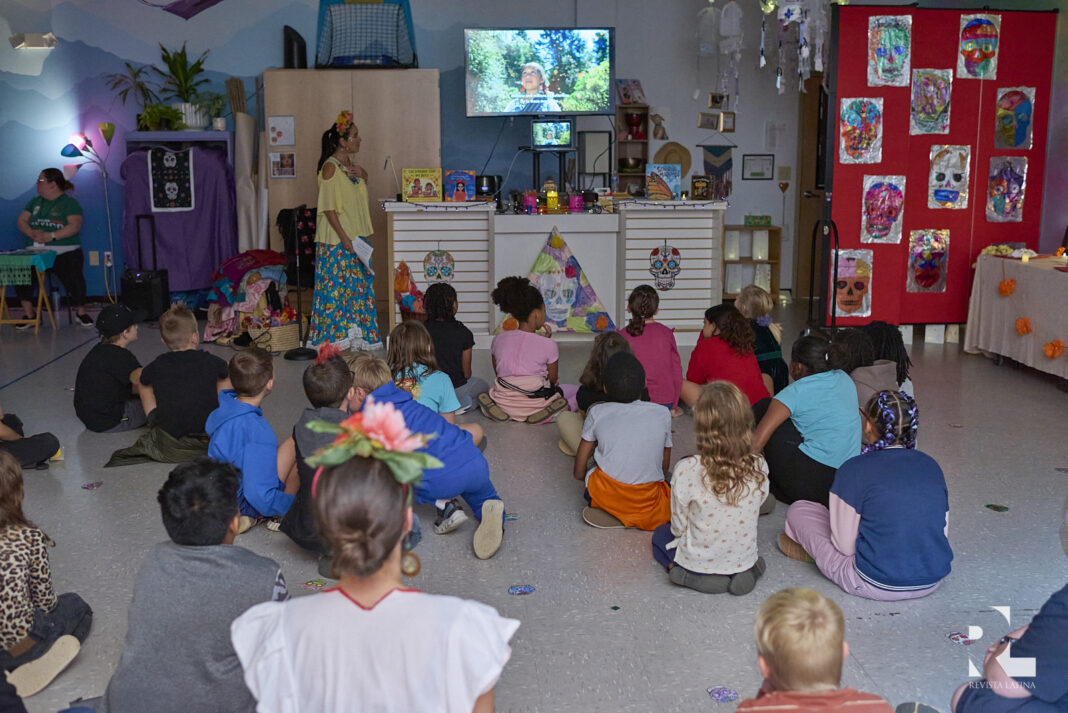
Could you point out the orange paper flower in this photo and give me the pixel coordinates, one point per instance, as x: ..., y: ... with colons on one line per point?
x: 601, y: 324
x: 1053, y: 349
x: 1060, y: 252
x: 1006, y: 287
x: 509, y: 324
x: 1023, y: 325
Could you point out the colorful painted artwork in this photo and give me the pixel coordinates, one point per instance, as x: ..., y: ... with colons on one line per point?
x: 571, y: 304
x: 665, y: 264
x: 928, y: 256
x: 947, y: 183
x: 978, y: 57
x: 663, y: 181
x: 860, y: 129
x: 1015, y: 107
x: 852, y: 291
x: 889, y: 50
x: 718, y: 168
x: 931, y: 89
x: 1005, y: 189
x: 439, y: 266
x: 882, y: 210
x: 459, y: 186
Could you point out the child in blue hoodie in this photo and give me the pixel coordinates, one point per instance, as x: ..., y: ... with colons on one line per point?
x: 465, y: 473
x: 241, y: 435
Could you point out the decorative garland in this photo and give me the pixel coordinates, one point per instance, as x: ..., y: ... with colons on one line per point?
x: 1052, y: 349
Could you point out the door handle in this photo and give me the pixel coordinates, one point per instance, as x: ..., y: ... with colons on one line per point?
x: 810, y: 194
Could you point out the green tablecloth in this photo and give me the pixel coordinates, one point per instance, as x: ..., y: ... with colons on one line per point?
x: 16, y: 268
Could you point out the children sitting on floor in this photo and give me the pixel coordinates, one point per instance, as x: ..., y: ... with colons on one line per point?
x: 109, y: 378
x: 199, y: 576
x: 40, y: 633
x: 869, y: 378
x: 465, y: 473
x: 30, y: 451
x: 370, y: 643
x: 526, y: 363
x: 890, y: 346
x: 654, y: 345
x: 800, y: 641
x: 885, y: 534
x: 184, y: 382
x: 716, y: 497
x: 590, y: 389
x: 453, y: 342
x: 631, y: 441
x: 724, y: 352
x: 756, y: 304
x: 241, y: 435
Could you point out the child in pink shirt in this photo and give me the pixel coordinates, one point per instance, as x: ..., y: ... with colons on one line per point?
x: 654, y: 345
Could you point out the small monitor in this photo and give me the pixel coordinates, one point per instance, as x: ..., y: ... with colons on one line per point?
x: 551, y: 134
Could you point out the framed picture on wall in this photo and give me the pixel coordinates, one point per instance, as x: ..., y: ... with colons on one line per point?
x: 758, y: 166
x: 717, y: 100
x: 283, y: 164
x: 726, y: 121
x: 708, y: 120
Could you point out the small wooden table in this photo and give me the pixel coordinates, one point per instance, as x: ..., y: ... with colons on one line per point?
x: 18, y: 268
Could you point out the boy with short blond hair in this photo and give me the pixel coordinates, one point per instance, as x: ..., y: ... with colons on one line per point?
x: 183, y: 383
x: 800, y: 639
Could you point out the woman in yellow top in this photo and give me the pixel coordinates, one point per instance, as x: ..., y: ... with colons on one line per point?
x: 343, y: 281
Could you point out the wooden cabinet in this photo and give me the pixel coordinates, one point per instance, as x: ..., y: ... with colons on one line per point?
x: 632, y: 120
x: 751, y: 256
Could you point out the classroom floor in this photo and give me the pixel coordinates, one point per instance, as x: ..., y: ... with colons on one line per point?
x: 605, y: 630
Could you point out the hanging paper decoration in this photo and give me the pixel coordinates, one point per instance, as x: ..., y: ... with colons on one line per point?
x: 889, y: 50
x: 978, y: 58
x: 931, y: 90
x: 852, y: 291
x: 439, y: 266
x: 665, y: 264
x: 1005, y: 189
x: 571, y: 305
x: 883, y: 205
x: 1014, y: 110
x: 860, y: 128
x: 790, y: 11
x: 947, y: 183
x: 708, y: 31
x: 717, y: 160
x: 928, y: 256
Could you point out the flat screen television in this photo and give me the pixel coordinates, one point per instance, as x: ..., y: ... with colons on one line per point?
x: 550, y: 134
x: 539, y: 71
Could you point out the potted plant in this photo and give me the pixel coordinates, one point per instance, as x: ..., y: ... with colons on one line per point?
x: 160, y: 117
x: 134, y: 81
x: 212, y: 104
x: 181, y: 81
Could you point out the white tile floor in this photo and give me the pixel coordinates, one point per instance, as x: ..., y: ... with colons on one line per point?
x: 998, y: 433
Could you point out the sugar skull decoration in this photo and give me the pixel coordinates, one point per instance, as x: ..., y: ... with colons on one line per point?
x: 1005, y: 189
x: 947, y: 183
x: 852, y: 290
x: 978, y: 58
x: 860, y: 129
x: 1014, y: 109
x: 929, y: 113
x: 889, y: 50
x: 558, y: 289
x: 665, y: 264
x: 571, y: 305
x: 439, y: 266
x: 928, y: 255
x: 884, y: 203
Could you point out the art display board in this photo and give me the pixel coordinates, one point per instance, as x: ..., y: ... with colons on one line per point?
x: 1024, y: 63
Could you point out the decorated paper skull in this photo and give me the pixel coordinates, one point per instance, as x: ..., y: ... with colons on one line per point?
x: 889, y: 38
x: 1005, y: 193
x: 665, y: 263
x: 979, y: 47
x: 948, y: 180
x: 851, y: 290
x: 439, y: 266
x: 927, y: 260
x: 171, y: 189
x: 1014, y: 120
x: 558, y: 290
x: 882, y: 208
x: 930, y: 100
x: 861, y: 126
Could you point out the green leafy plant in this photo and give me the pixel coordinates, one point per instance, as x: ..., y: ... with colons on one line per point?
x: 182, y: 77
x: 134, y: 81
x: 160, y: 117
x: 211, y: 103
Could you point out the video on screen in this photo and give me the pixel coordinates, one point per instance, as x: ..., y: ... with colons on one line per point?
x: 550, y: 134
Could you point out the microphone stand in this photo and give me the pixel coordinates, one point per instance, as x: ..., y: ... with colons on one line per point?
x: 301, y: 353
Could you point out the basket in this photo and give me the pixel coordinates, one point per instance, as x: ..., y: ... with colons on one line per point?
x: 277, y: 339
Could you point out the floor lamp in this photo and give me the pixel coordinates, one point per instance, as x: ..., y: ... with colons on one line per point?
x: 301, y: 353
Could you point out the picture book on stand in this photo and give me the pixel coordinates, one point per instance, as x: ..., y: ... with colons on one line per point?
x: 421, y: 184
x: 459, y: 186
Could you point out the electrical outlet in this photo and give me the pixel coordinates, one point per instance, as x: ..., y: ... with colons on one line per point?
x: 94, y: 258
x: 108, y: 261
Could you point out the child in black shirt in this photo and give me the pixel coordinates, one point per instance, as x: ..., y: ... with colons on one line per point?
x: 108, y: 381
x: 453, y: 342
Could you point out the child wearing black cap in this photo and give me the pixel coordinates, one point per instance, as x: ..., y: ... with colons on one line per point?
x: 106, y: 390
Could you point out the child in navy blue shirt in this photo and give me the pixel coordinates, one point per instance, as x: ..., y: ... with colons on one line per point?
x: 465, y: 472
x: 884, y: 535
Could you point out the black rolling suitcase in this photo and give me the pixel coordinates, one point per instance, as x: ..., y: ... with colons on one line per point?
x: 146, y: 289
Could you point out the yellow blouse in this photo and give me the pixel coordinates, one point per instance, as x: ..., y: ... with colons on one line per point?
x: 348, y: 200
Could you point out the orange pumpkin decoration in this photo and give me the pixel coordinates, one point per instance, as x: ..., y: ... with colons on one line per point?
x: 1006, y: 287
x: 509, y: 324
x: 1023, y: 325
x: 1053, y: 349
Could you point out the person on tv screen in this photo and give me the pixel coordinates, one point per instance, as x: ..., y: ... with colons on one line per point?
x: 534, y: 96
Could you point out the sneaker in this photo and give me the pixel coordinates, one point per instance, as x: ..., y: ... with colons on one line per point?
x: 86, y: 321
x: 25, y: 326
x: 449, y: 518
x: 490, y: 531
x: 565, y: 448
x: 274, y: 523
x: 601, y: 519
x: 32, y: 677
x: 793, y: 549
x: 490, y: 409
x: 551, y: 409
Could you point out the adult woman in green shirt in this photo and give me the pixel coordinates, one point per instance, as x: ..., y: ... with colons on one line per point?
x: 52, y: 221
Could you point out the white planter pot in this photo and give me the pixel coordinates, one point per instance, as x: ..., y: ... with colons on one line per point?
x: 195, y: 119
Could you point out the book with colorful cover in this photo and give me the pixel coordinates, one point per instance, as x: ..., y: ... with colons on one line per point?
x: 630, y: 91
x: 459, y: 186
x: 663, y: 181
x: 421, y: 184
x: 700, y: 188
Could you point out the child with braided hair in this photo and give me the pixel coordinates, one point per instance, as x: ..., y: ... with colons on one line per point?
x: 884, y: 536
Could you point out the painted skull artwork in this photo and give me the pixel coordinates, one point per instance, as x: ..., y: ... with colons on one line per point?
x: 860, y: 129
x: 947, y: 183
x: 1014, y: 109
x: 558, y: 289
x: 439, y: 266
x: 852, y: 290
x: 571, y: 304
x: 928, y: 256
x: 884, y: 203
x: 978, y: 58
x: 929, y: 113
x: 1005, y: 189
x: 665, y: 264
x: 889, y: 50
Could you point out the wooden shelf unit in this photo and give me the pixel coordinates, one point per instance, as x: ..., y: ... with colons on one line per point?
x: 631, y: 148
x: 741, y: 268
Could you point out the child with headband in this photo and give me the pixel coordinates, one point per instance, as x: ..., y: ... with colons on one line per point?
x: 884, y: 535
x: 370, y: 642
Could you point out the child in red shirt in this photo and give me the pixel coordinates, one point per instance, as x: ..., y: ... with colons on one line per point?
x: 725, y: 352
